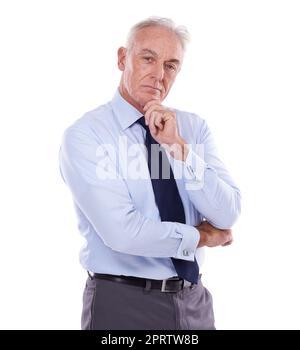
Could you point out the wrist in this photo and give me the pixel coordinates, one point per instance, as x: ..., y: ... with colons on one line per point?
x: 203, y: 238
x: 179, y: 149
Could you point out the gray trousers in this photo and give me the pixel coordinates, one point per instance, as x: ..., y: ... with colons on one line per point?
x: 109, y: 305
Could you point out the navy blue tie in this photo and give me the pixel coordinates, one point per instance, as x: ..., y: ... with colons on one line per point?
x: 168, y: 200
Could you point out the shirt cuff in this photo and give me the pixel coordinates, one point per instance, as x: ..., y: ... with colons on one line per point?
x: 191, y: 170
x: 190, y: 237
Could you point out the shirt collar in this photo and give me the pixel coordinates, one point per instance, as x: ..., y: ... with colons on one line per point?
x: 124, y: 111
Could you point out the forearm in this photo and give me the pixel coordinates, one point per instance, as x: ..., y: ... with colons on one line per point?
x: 212, y: 192
x: 125, y: 229
x: 217, y: 201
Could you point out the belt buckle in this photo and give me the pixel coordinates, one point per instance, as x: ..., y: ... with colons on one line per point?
x: 187, y: 284
x: 164, y: 287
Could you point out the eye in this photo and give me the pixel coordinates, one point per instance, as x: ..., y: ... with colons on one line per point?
x: 148, y: 59
x: 171, y: 67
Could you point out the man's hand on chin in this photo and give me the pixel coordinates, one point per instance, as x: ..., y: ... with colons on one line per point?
x: 163, y: 128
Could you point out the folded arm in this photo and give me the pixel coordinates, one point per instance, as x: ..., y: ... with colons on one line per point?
x: 107, y: 205
x: 208, y: 183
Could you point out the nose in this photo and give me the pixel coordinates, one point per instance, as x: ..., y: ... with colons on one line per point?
x: 158, y: 72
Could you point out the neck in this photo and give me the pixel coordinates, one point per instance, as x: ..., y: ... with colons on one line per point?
x: 126, y: 97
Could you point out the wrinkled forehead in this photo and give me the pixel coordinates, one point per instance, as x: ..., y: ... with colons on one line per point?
x: 160, y: 40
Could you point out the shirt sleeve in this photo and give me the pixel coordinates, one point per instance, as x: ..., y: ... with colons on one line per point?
x: 107, y: 204
x: 207, y: 181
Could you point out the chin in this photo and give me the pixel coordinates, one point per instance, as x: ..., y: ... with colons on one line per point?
x: 143, y: 98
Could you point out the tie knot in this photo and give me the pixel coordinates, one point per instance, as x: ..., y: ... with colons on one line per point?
x: 141, y: 121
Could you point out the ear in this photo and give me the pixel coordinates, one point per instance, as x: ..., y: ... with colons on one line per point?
x: 122, y: 58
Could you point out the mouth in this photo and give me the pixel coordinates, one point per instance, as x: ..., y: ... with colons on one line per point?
x: 151, y: 87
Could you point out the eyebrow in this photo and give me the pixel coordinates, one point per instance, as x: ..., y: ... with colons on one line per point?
x: 153, y: 53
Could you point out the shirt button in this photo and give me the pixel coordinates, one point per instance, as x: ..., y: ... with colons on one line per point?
x: 185, y: 252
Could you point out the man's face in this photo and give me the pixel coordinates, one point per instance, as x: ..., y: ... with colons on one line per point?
x: 150, y: 66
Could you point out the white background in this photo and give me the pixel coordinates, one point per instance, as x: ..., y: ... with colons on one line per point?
x: 241, y: 73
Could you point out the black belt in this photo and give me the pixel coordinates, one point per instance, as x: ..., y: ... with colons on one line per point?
x: 170, y: 285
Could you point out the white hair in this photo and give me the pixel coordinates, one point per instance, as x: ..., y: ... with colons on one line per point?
x: 181, y: 31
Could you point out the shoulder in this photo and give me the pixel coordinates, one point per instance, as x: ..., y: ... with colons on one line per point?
x: 90, y: 126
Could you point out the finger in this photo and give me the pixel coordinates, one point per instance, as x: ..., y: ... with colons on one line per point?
x: 226, y: 233
x: 227, y: 243
x: 152, y: 126
x: 228, y: 239
x: 151, y: 109
x: 158, y: 121
x: 150, y: 103
x: 167, y: 116
x: 147, y: 115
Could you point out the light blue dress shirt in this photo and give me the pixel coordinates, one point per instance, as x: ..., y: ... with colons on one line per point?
x: 103, y: 162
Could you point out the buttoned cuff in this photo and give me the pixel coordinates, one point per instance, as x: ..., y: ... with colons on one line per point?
x: 191, y: 170
x: 190, y: 237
